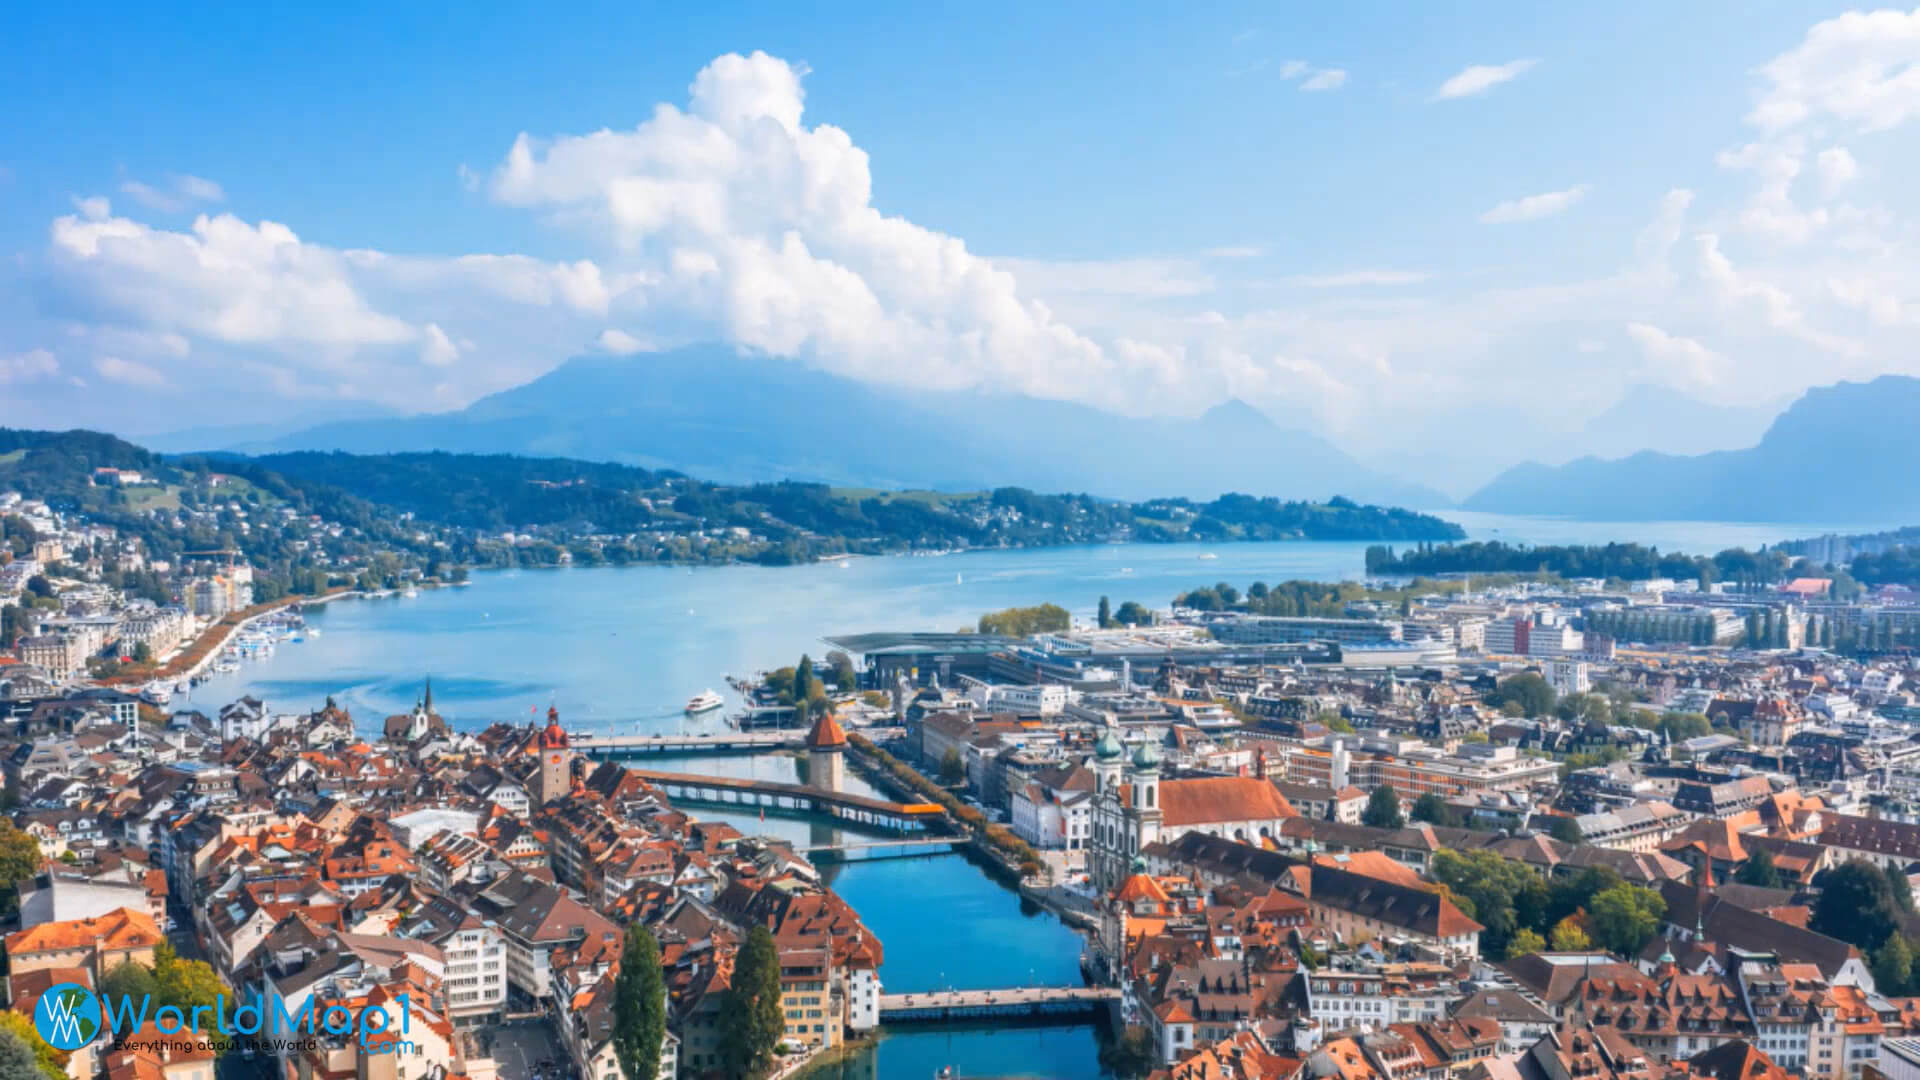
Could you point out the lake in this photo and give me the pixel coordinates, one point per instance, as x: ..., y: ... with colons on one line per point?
x: 625, y: 647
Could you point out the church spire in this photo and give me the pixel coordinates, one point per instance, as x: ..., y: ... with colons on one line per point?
x: 427, y: 701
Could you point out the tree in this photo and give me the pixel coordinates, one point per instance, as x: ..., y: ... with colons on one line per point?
x: 1105, y: 617
x: 1525, y: 943
x: 17, y: 1058
x: 1383, y: 809
x: 1027, y: 621
x: 1431, y: 807
x: 803, y: 679
x: 1131, y: 613
x: 1529, y: 690
x: 844, y: 676
x: 142, y: 653
x: 1758, y: 870
x: 129, y: 980
x: 1893, y: 966
x: 952, y: 769
x: 1569, y: 936
x: 1902, y: 889
x: 1491, y: 886
x: 1565, y: 829
x: 1624, y: 917
x: 750, y: 1021
x: 1334, y: 722
x: 1855, y: 905
x: 1131, y: 1055
x: 19, y: 861
x: 187, y: 984
x: 639, y: 1006
x: 43, y: 1061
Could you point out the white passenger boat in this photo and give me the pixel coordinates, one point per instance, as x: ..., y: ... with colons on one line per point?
x: 704, y: 701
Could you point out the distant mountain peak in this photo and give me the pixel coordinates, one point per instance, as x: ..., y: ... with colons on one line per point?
x: 714, y: 412
x: 1236, y: 413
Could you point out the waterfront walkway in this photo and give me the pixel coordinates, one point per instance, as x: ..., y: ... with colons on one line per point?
x: 1015, y: 1001
x: 717, y: 743
x: 729, y: 791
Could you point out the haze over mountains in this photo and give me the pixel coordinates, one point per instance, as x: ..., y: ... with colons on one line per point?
x: 1840, y: 453
x: 719, y: 415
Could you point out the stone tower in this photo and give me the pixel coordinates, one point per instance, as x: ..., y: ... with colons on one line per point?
x: 826, y: 754
x: 556, y: 761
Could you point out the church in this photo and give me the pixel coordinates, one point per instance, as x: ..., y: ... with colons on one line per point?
x: 1133, y: 807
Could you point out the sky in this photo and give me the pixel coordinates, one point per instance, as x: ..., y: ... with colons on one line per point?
x: 1445, y: 236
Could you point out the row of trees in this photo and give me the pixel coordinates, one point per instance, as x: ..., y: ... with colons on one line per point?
x: 1523, y: 912
x: 1626, y: 562
x: 1026, y: 621
x: 750, y: 1023
x: 999, y: 836
x: 1129, y: 614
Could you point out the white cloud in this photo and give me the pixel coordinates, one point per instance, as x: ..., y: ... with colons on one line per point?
x: 1734, y: 287
x: 736, y: 218
x: 130, y: 372
x: 1313, y: 79
x: 619, y: 343
x: 1352, y: 278
x: 1837, y: 169
x: 766, y: 228
x: 1678, y: 361
x: 1860, y: 68
x: 1480, y: 78
x: 1534, y: 207
x: 32, y: 364
x: 1324, y: 79
x: 177, y: 194
x: 436, y: 349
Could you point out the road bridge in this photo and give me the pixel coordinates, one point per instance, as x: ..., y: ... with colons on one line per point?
x: 1016, y: 1001
x: 727, y: 791
x: 719, y: 742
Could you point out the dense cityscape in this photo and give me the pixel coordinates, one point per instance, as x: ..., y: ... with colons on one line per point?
x: 1479, y: 821
x: 989, y: 541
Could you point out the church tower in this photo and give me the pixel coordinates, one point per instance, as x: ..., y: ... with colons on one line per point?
x: 826, y: 754
x: 556, y: 761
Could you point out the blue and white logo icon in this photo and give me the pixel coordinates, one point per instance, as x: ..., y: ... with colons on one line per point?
x: 68, y: 1016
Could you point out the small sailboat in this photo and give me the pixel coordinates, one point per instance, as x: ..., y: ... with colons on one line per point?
x: 957, y: 580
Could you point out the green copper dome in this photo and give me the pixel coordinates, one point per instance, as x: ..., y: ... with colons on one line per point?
x: 1146, y: 757
x: 1108, y: 748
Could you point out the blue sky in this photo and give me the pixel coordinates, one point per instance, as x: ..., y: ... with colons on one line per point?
x: 1160, y: 207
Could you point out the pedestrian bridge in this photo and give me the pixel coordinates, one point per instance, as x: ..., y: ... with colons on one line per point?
x: 720, y: 742
x: 1016, y: 1001
x: 732, y: 792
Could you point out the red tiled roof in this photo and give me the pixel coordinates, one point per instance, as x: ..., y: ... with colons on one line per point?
x: 1206, y: 800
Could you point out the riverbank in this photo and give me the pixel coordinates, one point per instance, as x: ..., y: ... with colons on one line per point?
x: 197, y: 654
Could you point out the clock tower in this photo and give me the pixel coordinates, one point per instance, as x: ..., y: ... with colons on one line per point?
x: 556, y: 761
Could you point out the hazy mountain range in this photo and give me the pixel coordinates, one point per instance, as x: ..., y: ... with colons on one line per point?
x: 1841, y: 453
x: 715, y: 414
x: 1838, y: 454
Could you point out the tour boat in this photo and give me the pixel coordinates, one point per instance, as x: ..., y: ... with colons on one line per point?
x: 704, y: 701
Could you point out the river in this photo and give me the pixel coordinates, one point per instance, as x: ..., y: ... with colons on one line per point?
x: 621, y: 649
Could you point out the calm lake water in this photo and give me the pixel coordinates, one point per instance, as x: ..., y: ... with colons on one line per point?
x: 622, y: 649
